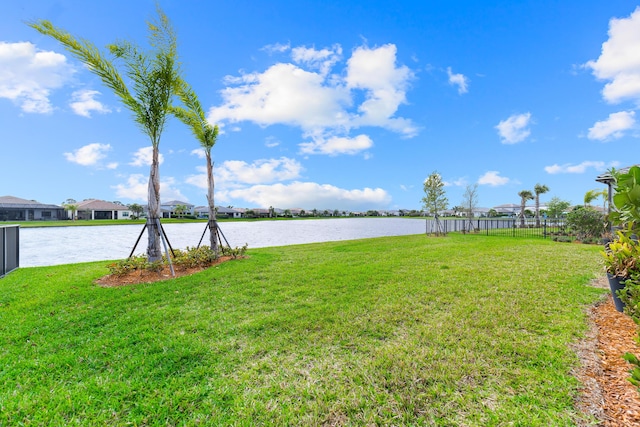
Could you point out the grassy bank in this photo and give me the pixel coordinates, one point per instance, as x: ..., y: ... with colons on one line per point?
x: 410, y: 330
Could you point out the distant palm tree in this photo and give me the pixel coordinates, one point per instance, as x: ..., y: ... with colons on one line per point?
x: 539, y: 189
x: 180, y: 210
x: 590, y: 196
x: 524, y: 196
x: 207, y: 135
x: 154, y: 77
x: 136, y: 209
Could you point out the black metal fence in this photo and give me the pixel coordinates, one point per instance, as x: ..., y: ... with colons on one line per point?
x: 512, y: 227
x: 9, y: 248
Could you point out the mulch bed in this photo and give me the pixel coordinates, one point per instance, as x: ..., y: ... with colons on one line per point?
x: 607, y: 394
x: 146, y: 276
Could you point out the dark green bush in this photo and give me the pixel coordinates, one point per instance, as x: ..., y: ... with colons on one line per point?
x: 586, y: 223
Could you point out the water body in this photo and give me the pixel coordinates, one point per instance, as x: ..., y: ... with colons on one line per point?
x: 65, y: 245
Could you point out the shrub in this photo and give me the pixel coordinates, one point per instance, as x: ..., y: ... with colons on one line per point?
x: 586, y: 223
x: 128, y: 265
x: 183, y: 259
x: 235, y: 252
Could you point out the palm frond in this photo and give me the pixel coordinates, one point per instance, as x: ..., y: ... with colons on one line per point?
x: 89, y: 54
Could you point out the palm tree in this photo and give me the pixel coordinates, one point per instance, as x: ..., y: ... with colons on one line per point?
x: 193, y: 116
x: 539, y: 189
x: 136, y: 209
x: 590, y: 196
x: 180, y: 210
x: 153, y: 81
x: 72, y: 206
x: 524, y: 196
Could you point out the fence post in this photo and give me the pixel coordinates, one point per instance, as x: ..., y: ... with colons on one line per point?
x: 544, y: 232
x: 3, y: 250
x: 9, y: 249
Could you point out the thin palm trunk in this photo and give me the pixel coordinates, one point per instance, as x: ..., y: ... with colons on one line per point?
x: 537, y: 210
x: 522, y: 206
x: 213, y: 225
x: 154, y: 251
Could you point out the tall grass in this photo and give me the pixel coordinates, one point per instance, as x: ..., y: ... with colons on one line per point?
x: 410, y: 330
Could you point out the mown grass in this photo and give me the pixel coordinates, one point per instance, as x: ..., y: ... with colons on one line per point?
x: 410, y: 330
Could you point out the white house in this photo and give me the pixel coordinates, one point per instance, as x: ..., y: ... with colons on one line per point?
x: 169, y: 208
x: 100, y: 209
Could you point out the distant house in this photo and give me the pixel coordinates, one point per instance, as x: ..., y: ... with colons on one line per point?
x: 17, y: 209
x: 221, y: 212
x: 100, y: 209
x: 228, y: 212
x: 169, y: 208
x: 509, y: 209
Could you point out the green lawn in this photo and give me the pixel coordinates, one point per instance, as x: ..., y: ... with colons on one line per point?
x: 410, y: 330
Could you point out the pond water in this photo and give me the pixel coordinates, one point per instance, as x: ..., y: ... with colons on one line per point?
x: 65, y: 245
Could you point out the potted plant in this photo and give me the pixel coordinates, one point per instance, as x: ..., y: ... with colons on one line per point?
x: 621, y: 259
x: 621, y: 255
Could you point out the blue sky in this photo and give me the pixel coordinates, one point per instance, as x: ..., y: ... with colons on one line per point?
x: 331, y: 104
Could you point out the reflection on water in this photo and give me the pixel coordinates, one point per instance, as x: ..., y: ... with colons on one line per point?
x: 64, y: 245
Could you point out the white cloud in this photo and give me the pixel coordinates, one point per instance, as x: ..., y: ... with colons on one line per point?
x: 385, y: 85
x: 318, y: 103
x: 337, y: 145
x: 199, y: 180
x: 259, y: 172
x: 88, y: 155
x: 272, y: 142
x: 284, y: 94
x: 322, y: 60
x: 27, y: 76
x: 493, y: 179
x: 579, y: 168
x: 137, y: 188
x: 460, y: 182
x: 619, y: 61
x: 83, y: 103
x: 514, y: 129
x: 613, y: 127
x: 238, y: 174
x: 144, y: 157
x: 310, y: 195
x: 276, y: 48
x: 199, y: 152
x: 458, y: 80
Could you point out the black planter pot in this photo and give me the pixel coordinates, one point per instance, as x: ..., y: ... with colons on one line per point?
x: 615, y: 285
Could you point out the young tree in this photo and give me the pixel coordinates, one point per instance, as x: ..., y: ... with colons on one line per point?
x: 435, y: 199
x: 539, y: 189
x: 194, y: 117
x: 524, y: 196
x: 153, y: 79
x: 556, y: 207
x: 470, y: 199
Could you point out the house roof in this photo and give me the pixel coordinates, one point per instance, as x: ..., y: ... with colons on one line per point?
x: 100, y: 205
x: 222, y: 209
x: 176, y: 203
x: 18, y: 203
